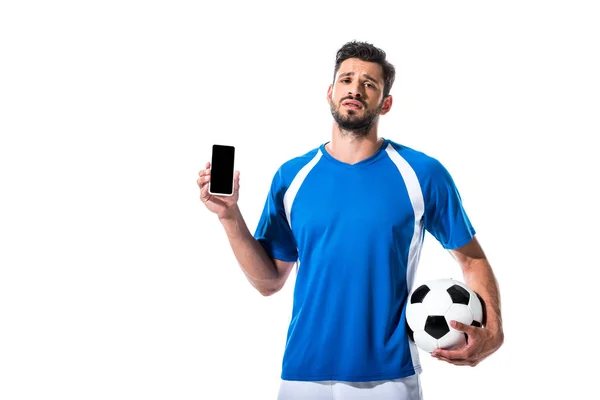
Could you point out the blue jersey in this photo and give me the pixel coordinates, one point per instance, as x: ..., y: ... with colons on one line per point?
x: 356, y: 232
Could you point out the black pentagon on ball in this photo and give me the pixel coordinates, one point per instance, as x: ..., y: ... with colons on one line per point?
x: 419, y: 294
x: 436, y: 326
x: 458, y: 294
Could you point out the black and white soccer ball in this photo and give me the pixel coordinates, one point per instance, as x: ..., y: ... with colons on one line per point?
x: 433, y: 305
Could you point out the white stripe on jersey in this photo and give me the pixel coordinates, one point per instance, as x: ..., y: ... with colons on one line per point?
x: 290, y: 194
x: 416, y: 198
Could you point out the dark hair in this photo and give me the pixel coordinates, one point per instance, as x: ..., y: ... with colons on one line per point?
x: 367, y: 52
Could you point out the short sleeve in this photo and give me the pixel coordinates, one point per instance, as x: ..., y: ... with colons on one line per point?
x: 273, y: 231
x: 445, y: 216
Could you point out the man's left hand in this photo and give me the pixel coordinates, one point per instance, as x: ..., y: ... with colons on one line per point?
x: 481, y: 343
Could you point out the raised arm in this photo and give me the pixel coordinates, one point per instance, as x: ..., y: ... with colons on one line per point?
x: 266, y: 274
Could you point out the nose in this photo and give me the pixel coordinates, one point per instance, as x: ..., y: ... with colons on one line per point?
x: 355, y: 91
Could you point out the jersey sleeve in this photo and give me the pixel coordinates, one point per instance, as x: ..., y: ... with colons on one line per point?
x: 445, y: 216
x: 273, y: 231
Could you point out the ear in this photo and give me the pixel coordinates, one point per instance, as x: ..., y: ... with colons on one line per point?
x: 329, y: 93
x: 387, y: 105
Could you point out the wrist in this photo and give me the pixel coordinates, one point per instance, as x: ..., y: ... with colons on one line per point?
x: 495, y: 327
x: 230, y: 214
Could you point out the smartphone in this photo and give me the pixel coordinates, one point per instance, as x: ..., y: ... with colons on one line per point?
x: 222, y: 168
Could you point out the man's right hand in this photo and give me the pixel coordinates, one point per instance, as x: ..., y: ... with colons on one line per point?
x: 223, y: 206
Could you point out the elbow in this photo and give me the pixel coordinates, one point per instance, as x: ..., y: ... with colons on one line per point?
x: 269, y: 290
x: 266, y: 292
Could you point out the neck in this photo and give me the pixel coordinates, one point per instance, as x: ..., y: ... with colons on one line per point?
x: 350, y: 148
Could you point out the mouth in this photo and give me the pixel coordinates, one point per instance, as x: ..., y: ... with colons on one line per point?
x: 352, y: 104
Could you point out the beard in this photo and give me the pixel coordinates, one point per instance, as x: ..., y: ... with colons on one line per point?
x: 358, y: 126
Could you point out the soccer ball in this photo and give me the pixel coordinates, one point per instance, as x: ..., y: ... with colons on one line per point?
x: 433, y: 305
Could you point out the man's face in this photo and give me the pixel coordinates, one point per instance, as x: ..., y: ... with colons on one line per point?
x: 356, y: 96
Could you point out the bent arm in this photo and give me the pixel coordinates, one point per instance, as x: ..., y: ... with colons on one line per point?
x: 267, y: 275
x: 480, y: 277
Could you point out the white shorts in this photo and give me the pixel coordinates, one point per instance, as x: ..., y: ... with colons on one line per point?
x: 408, y: 388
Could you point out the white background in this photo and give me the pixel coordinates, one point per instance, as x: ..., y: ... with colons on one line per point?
x: 116, y: 283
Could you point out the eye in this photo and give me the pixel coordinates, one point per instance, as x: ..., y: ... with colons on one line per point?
x: 369, y: 85
x: 345, y: 80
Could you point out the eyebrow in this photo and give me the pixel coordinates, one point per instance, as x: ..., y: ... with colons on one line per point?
x: 365, y: 75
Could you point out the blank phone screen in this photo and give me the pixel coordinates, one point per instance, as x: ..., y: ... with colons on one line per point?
x: 221, y: 169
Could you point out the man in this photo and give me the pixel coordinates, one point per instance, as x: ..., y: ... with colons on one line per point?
x: 352, y: 214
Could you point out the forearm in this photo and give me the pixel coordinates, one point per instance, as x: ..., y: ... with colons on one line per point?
x: 480, y: 278
x: 252, y: 258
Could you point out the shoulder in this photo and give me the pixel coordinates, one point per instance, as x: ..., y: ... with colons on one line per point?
x: 288, y: 170
x: 425, y: 165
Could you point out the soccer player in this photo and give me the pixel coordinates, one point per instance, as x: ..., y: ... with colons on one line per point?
x: 351, y: 214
